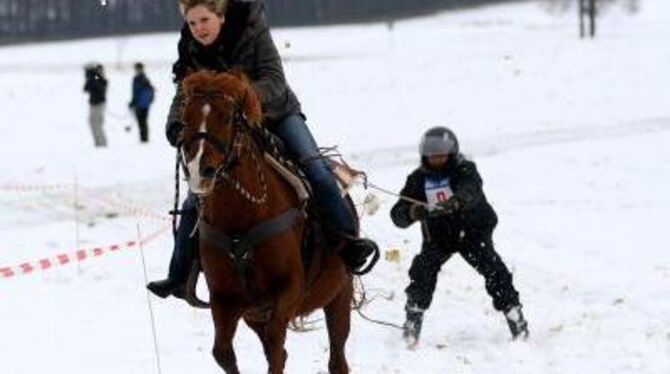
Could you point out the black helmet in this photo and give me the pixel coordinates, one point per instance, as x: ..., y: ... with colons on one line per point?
x: 438, y: 141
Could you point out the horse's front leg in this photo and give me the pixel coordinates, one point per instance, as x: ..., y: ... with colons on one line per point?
x: 275, y: 332
x: 338, y: 319
x: 275, y: 338
x: 226, y: 317
x: 260, y: 329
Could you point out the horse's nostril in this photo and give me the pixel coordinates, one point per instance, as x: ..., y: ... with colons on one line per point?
x: 208, y: 172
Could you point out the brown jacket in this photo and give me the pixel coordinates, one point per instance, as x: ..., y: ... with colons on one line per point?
x: 244, y: 43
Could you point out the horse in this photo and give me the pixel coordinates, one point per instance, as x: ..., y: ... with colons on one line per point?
x: 252, y: 226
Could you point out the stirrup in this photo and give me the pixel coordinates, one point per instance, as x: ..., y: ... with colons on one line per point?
x: 359, y: 264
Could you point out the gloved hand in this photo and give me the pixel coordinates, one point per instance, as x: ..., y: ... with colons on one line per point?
x: 418, y: 212
x: 445, y: 208
x: 173, y: 131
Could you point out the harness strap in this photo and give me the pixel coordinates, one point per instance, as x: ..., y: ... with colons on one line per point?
x: 239, y: 247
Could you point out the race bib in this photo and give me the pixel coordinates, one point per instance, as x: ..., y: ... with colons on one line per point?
x: 437, y: 190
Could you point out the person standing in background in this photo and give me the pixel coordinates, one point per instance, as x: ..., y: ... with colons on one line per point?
x: 96, y: 87
x: 143, y: 96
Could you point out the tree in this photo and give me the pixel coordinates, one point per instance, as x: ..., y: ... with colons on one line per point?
x: 588, y: 10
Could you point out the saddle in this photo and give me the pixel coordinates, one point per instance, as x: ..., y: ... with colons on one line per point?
x: 317, y: 230
x: 277, y: 157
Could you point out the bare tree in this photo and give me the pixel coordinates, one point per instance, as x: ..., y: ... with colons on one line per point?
x: 580, y: 12
x: 592, y: 17
x: 587, y: 8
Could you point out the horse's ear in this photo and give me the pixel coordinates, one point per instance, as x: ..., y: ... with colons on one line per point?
x: 188, y: 84
x: 251, y: 103
x: 196, y: 81
x: 189, y: 71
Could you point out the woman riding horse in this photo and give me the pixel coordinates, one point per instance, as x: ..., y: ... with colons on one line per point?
x: 220, y: 35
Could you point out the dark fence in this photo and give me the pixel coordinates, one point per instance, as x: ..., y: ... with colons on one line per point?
x: 309, y: 12
x: 36, y: 20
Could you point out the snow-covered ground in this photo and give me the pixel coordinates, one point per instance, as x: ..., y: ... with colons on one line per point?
x: 572, y: 138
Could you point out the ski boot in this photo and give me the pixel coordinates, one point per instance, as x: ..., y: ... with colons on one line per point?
x: 412, y: 326
x: 516, y: 322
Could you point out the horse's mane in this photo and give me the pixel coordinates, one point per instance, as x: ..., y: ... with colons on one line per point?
x: 231, y: 85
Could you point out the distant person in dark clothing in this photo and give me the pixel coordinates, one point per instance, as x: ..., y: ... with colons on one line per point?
x: 96, y: 87
x: 143, y: 96
x: 445, y: 194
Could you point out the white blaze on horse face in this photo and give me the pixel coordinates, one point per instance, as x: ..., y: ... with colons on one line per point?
x: 195, y: 181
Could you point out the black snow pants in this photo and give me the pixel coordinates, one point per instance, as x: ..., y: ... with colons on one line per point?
x: 476, y: 247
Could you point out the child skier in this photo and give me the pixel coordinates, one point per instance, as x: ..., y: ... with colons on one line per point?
x: 445, y: 194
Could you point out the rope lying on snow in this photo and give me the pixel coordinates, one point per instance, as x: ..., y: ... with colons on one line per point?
x: 362, y: 300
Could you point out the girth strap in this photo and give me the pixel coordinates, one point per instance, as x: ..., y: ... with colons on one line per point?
x: 240, y: 246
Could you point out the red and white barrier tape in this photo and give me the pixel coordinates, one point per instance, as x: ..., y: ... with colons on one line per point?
x: 131, y: 209
x: 126, y: 206
x: 26, y: 268
x: 35, y: 187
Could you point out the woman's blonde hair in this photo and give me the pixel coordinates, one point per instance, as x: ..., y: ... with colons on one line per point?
x: 214, y: 6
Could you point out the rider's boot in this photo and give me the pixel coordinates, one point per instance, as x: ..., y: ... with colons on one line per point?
x: 182, y: 256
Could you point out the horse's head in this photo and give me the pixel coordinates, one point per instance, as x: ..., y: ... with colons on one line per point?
x: 218, y: 109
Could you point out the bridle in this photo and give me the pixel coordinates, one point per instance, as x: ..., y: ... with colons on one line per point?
x: 229, y: 152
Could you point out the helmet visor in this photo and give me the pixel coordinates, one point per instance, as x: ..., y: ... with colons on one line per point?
x: 432, y: 145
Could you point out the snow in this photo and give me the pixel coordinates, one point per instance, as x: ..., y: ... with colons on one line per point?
x: 571, y: 137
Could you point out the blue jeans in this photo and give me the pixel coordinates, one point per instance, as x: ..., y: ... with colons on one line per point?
x: 184, y: 246
x: 302, y: 148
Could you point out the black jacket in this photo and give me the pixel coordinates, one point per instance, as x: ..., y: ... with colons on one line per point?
x: 244, y: 43
x: 474, y: 211
x: 96, y: 86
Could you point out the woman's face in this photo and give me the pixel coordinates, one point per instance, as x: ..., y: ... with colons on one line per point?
x: 205, y: 25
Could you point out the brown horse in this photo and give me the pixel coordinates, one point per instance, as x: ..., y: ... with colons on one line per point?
x: 251, y: 228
